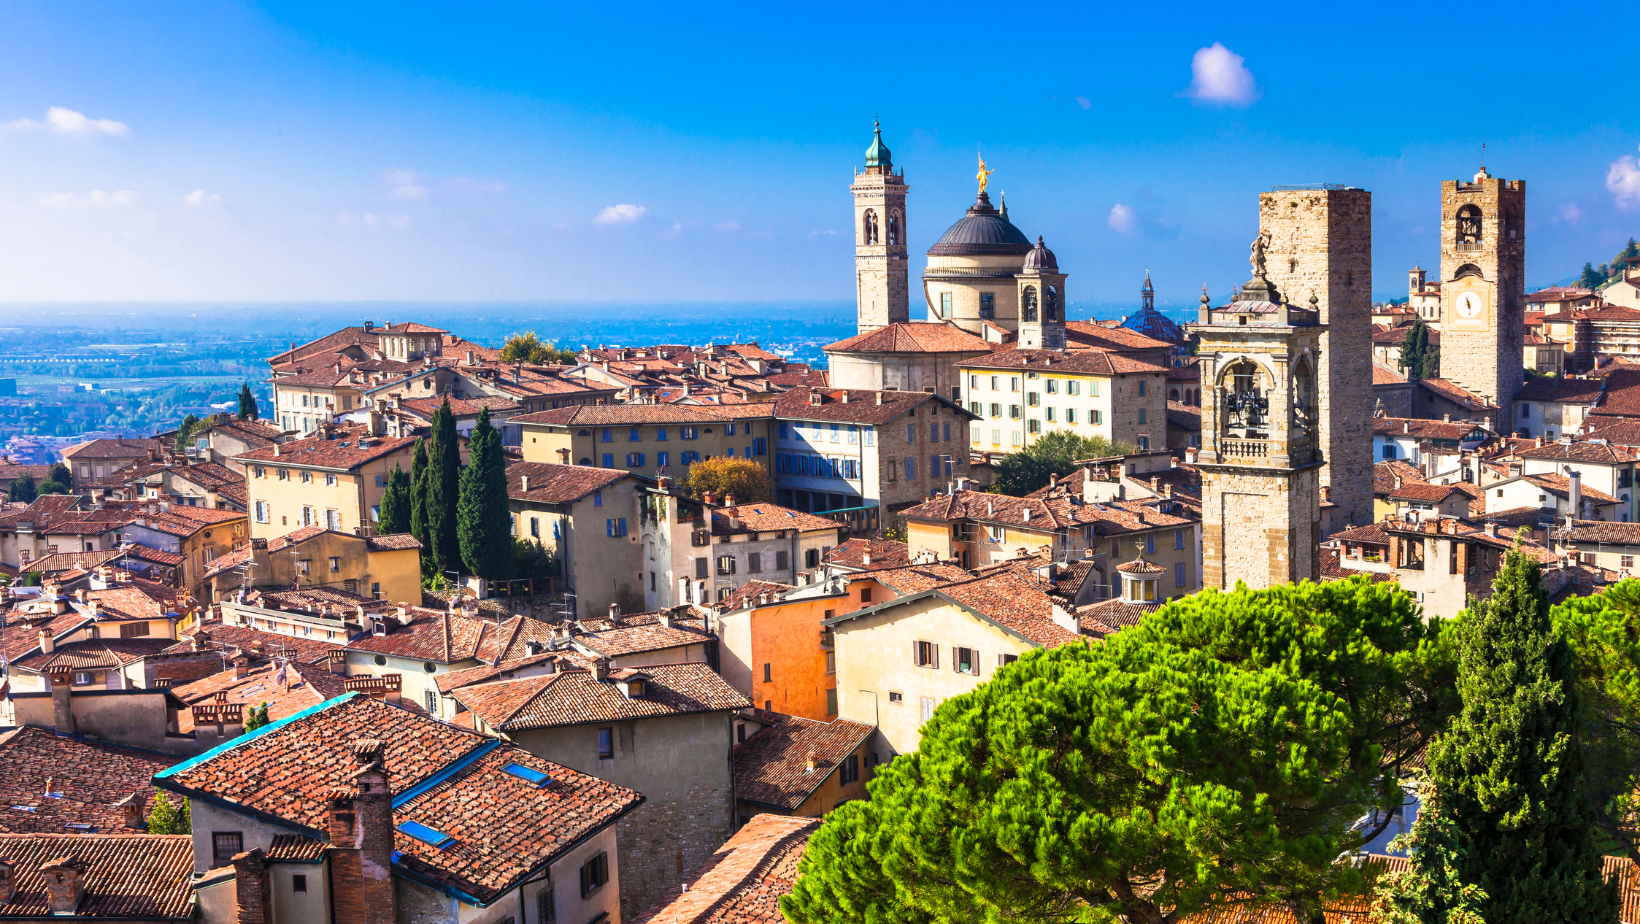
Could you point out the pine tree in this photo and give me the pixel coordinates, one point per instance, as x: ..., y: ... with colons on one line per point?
x: 1415, y: 350
x: 396, y: 500
x: 484, y: 523
x: 247, y: 403
x: 443, y: 489
x: 1591, y: 278
x: 23, y: 489
x: 257, y: 717
x: 1510, y: 834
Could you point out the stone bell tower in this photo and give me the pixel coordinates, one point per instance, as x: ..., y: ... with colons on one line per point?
x: 1261, y: 453
x: 881, y: 267
x: 1041, y: 301
x: 1483, y: 288
x: 1318, y: 243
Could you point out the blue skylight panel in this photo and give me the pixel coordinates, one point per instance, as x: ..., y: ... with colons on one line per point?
x: 527, y: 774
x: 426, y: 835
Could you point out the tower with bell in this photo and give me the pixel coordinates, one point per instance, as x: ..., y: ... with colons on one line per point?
x: 1261, y: 452
x: 1483, y: 287
x: 881, y: 266
x: 1041, y: 300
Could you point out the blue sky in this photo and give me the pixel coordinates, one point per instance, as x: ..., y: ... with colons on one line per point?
x: 170, y: 151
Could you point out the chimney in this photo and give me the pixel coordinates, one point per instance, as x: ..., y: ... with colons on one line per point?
x: 395, y: 686
x: 809, y: 764
x: 728, y: 500
x: 8, y: 882
x: 664, y: 483
x: 709, y: 499
x: 65, y: 884
x: 600, y: 669
x: 1446, y: 418
x: 252, y: 889
x: 1326, y: 493
x: 1406, y: 426
x: 131, y: 812
x: 1574, y: 489
x: 865, y: 559
x: 241, y: 666
x: 373, y: 834
x: 47, y: 644
x: 336, y: 661
x: 62, y: 699
x: 615, y: 613
x: 523, y: 482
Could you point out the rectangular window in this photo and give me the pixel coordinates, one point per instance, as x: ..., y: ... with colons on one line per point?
x: 1179, y: 575
x: 662, y: 458
x: 660, y: 434
x: 594, y: 873
x: 1142, y: 415
x: 615, y: 527
x: 1150, y: 544
x: 945, y: 304
x: 225, y: 845
x: 760, y: 445
x: 1003, y: 660
x: 335, y: 564
x: 606, y: 743
x: 1049, y: 414
x: 284, y: 474
x: 1033, y: 399
x: 1625, y: 561
x: 1033, y: 426
x: 333, y: 519
x: 1096, y: 417
x: 546, y: 910
x: 910, y: 433
x: 1093, y: 389
x: 973, y: 381
x: 783, y: 430
x: 726, y: 564
x: 910, y: 469
x: 633, y: 436
x: 729, y: 429
x: 780, y: 560
x: 754, y: 563
x: 965, y: 660
x: 1073, y: 387
x: 307, y: 477
x: 261, y: 511
x: 831, y: 662
x: 1017, y: 440
x: 1144, y: 443
x: 1070, y: 415
x: 1178, y: 539
x: 1051, y: 386
x: 925, y: 654
x: 996, y: 410
x: 1141, y: 388
x: 894, y: 697
x: 927, y: 708
x: 609, y: 460
x: 1013, y: 412
x: 702, y: 568
x: 831, y: 701
x: 1013, y: 383
x: 977, y: 408
x: 606, y: 436
x: 996, y: 437
x: 307, y: 516
x: 298, y: 883
x: 836, y: 432
x: 688, y: 433
x: 871, y: 437
x: 850, y: 771
x: 330, y: 480
x: 597, y: 498
x: 987, y: 305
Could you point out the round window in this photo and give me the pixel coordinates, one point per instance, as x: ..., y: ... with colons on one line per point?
x: 381, y: 659
x: 430, y: 667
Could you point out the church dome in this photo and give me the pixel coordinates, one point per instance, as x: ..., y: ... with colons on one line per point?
x: 982, y: 232
x: 878, y: 154
x: 1041, y: 258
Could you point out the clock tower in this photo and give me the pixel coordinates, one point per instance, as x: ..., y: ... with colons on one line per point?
x: 1483, y: 289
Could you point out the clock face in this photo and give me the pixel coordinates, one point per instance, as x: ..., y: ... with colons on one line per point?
x: 1469, y: 305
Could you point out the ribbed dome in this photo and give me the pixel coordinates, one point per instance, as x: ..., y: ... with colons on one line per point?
x: 982, y: 232
x: 1041, y: 258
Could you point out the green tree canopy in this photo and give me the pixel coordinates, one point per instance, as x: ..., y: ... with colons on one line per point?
x: 443, y: 488
x: 484, y: 522
x: 23, y: 489
x: 418, y: 500
x: 164, y: 818
x: 185, y: 429
x: 528, y: 348
x: 1510, y: 832
x: 1226, y: 750
x: 747, y: 480
x: 247, y: 404
x: 396, y: 504
x: 256, y: 717
x: 1053, y: 453
x: 1418, y: 356
x: 1591, y: 277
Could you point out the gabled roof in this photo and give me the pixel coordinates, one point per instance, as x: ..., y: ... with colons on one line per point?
x: 1546, y: 390
x: 350, y: 449
x: 1008, y: 600
x: 504, y: 827
x: 127, y: 877
x: 883, y: 553
x: 855, y: 405
x: 576, y: 697
x: 1597, y: 452
x: 912, y: 337
x: 87, y: 778
x: 772, y: 766
x: 1054, y: 362
x: 743, y: 881
x: 558, y: 484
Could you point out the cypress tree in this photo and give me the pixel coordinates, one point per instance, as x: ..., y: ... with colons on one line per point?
x: 443, y: 488
x: 484, y: 524
x: 1415, y: 350
x: 418, y: 499
x: 1508, y: 835
x: 247, y: 403
x: 396, y: 504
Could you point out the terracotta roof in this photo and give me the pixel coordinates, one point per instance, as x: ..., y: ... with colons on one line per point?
x: 1395, y: 336
x: 93, y: 654
x: 126, y: 876
x: 1417, y: 428
x: 1546, y: 390
x: 862, y: 405
x: 295, y: 848
x: 1597, y: 452
x: 639, y: 633
x: 285, y: 692
x: 1140, y: 566
x: 771, y: 767
x: 557, y: 484
x: 576, y: 697
x: 624, y: 415
x: 767, y: 518
x: 503, y: 826
x: 260, y: 645
x: 1605, y: 533
x: 1459, y: 395
x: 914, y: 579
x: 1382, y: 375
x: 437, y: 636
x: 1423, y: 492
x: 1009, y: 600
x: 1054, y: 362
x: 1372, y: 534
x: 884, y: 553
x: 563, y: 659
x: 1392, y: 473
x: 343, y: 453
x: 1108, y: 617
x: 460, y: 407
x: 117, y: 448
x: 1083, y: 335
x: 1560, y: 486
x: 87, y: 779
x: 1050, y: 511
x: 743, y: 881
x: 912, y: 337
x: 64, y: 561
x: 746, y: 595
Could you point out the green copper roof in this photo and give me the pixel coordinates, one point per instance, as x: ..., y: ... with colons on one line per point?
x: 877, y: 155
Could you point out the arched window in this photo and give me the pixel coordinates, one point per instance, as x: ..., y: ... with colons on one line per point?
x: 1050, y: 304
x: 1172, y: 394
x: 868, y: 227
x: 1469, y: 224
x: 894, y: 227
x: 1027, y: 308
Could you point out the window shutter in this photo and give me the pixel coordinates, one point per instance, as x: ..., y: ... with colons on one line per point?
x: 934, y: 653
x: 916, y: 653
x: 975, y: 655
x: 586, y: 879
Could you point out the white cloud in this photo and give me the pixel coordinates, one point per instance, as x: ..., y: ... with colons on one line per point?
x: 1084, y: 102
x: 1120, y: 218
x: 1623, y: 180
x: 820, y: 233
x: 405, y: 184
x: 95, y: 199
x: 70, y: 122
x: 1219, y: 76
x: 1570, y: 212
x: 620, y: 214
x: 730, y: 225
x: 201, y: 197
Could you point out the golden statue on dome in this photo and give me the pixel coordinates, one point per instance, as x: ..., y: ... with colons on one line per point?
x: 984, y: 175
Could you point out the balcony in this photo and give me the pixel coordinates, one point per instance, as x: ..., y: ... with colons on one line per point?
x: 1245, y: 449
x: 1468, y: 246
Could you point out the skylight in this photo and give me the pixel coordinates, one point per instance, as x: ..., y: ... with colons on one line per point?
x: 527, y: 774
x: 425, y: 834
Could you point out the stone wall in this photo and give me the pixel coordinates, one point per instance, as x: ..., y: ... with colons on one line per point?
x: 669, y: 836
x: 1486, y: 356
x: 1262, y: 528
x: 896, y: 492
x: 1321, y: 247
x: 882, y: 269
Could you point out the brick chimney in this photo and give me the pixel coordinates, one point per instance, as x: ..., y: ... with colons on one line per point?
x: 8, y: 882
x: 336, y: 661
x: 241, y: 666
x: 600, y: 669
x: 374, y: 832
x: 47, y: 643
x: 252, y: 889
x: 62, y: 704
x: 131, y: 812
x: 65, y: 884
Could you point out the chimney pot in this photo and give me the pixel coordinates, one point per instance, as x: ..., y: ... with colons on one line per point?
x: 523, y: 482
x: 65, y: 884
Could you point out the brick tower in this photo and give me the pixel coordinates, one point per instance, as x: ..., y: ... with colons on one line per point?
x: 1318, y: 242
x: 1483, y: 288
x: 880, y: 264
x: 1041, y: 301
x: 1260, y: 460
